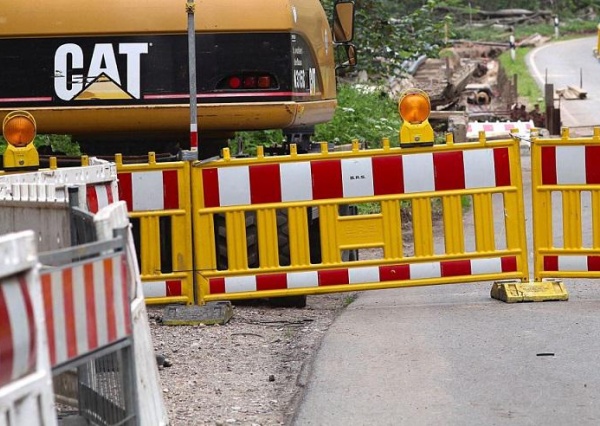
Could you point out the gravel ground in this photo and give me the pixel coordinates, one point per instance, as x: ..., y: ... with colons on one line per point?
x: 250, y: 371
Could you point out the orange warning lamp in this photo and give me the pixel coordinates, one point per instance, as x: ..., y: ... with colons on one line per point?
x: 19, y: 130
x: 414, y: 108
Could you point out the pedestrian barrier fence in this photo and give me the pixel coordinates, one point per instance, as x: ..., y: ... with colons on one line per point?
x: 97, y: 181
x: 40, y: 201
x: 86, y: 302
x: 280, y: 226
x: 70, y: 332
x: 499, y: 129
x: 566, y: 206
x: 88, y: 326
x: 25, y: 380
x: 110, y: 220
x: 158, y: 201
x: 279, y: 194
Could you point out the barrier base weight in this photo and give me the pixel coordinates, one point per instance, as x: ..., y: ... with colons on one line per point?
x: 208, y: 314
x: 541, y: 291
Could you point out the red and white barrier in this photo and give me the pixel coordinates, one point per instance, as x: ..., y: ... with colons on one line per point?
x: 26, y: 395
x: 87, y: 307
x: 97, y: 183
x: 17, y: 333
x: 572, y: 263
x: 363, y: 275
x: 356, y: 177
x: 169, y: 288
x: 499, y: 129
x: 150, y: 397
x: 149, y: 190
x: 570, y: 165
x: 71, y: 311
x: 100, y: 195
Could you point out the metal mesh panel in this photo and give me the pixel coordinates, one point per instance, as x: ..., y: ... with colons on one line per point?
x: 98, y: 391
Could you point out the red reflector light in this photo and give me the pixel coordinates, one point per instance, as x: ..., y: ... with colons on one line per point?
x: 235, y: 82
x: 264, y: 82
x: 249, y: 82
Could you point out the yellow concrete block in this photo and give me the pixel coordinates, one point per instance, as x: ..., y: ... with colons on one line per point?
x: 540, y: 291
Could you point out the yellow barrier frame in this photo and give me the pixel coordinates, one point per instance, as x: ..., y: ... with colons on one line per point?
x: 338, y: 233
x: 559, y: 166
x: 176, y: 205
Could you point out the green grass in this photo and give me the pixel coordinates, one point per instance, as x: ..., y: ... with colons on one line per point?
x: 366, y: 116
x: 526, y: 84
x: 369, y: 208
x: 349, y: 299
x: 362, y: 115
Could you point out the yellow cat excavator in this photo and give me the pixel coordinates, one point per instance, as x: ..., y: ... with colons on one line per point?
x: 114, y: 74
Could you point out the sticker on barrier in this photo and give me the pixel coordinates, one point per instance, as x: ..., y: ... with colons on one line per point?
x: 158, y: 201
x: 259, y: 215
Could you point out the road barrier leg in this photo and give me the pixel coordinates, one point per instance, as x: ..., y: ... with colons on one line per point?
x: 540, y: 291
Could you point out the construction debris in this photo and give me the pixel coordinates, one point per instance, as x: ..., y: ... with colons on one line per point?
x: 443, y: 79
x: 571, y: 93
x: 533, y: 40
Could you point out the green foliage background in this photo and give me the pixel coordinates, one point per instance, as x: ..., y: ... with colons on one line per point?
x: 366, y: 116
x: 58, y: 143
x: 387, y: 34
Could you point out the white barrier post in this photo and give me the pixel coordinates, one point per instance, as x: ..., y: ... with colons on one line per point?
x: 26, y: 394
x: 513, y: 46
x: 152, y: 410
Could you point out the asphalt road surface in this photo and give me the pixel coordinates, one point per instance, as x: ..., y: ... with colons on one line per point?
x: 451, y: 355
x: 571, y: 63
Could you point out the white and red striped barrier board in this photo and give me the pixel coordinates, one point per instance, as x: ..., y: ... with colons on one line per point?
x: 86, y: 307
x: 570, y: 165
x: 149, y: 190
x: 17, y: 330
x: 363, y: 275
x: 498, y: 128
x: 572, y: 263
x: 100, y: 195
x: 167, y: 288
x: 50, y: 185
x: 356, y: 177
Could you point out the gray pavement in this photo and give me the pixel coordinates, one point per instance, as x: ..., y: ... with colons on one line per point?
x: 570, y: 63
x: 451, y: 355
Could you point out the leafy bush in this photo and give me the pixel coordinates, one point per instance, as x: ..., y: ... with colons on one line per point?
x: 388, y: 33
x: 251, y: 139
x: 366, y: 115
x: 362, y: 115
x: 58, y: 143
